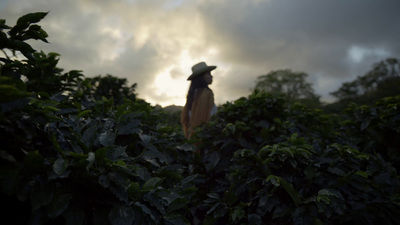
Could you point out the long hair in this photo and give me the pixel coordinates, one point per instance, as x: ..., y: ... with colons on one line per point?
x: 197, y: 82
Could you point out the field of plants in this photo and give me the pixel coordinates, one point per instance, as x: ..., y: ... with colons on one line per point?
x: 77, y: 150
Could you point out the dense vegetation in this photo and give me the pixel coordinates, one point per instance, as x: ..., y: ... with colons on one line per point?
x: 79, y: 150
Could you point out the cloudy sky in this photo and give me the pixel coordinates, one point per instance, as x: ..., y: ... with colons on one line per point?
x: 154, y: 43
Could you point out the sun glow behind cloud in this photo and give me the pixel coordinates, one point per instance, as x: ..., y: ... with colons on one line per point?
x: 170, y: 85
x: 357, y: 53
x: 170, y: 90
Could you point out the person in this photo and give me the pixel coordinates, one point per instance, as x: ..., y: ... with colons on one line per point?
x: 200, y: 104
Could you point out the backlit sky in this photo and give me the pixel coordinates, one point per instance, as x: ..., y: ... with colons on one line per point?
x: 154, y: 43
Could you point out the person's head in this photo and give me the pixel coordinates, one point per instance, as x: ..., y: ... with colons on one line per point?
x: 202, y: 70
x: 200, y: 78
x: 207, y: 77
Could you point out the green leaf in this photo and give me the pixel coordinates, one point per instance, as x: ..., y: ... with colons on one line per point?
x: 310, y: 172
x: 119, y: 179
x: 134, y: 190
x: 3, y: 24
x: 186, y: 147
x: 116, y: 152
x: 60, y: 166
x: 293, y: 138
x: 107, y: 138
x: 364, y: 124
x: 132, y: 127
x: 142, y: 172
x: 146, y: 210
x: 221, y: 211
x: 146, y: 139
x: 254, y: 219
x: 274, y: 180
x: 59, y: 204
x: 84, y: 113
x: 278, y: 181
x: 238, y: 214
x: 291, y: 191
x: 286, y: 150
x: 213, y: 208
x: 29, y: 18
x: 35, y: 32
x: 362, y: 173
x: 34, y: 162
x: 89, y: 135
x: 101, y: 158
x: 9, y: 93
x: 152, y: 183
x: 91, y: 158
x: 213, y: 160
x: 213, y: 195
x: 74, y: 216
x: 177, y: 219
x: 188, y: 179
x: 121, y: 216
x: 104, y: 181
x: 336, y: 171
x: 42, y: 197
x: 10, y: 180
x: 326, y: 192
x: 120, y: 163
x: 177, y: 204
x: 152, y: 155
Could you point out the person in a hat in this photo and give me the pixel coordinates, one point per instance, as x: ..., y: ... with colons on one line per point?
x: 199, y: 105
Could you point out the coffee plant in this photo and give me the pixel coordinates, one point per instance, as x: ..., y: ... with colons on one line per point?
x: 268, y: 163
x: 69, y: 157
x: 72, y: 153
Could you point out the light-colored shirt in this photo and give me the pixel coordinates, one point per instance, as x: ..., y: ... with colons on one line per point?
x: 202, y: 109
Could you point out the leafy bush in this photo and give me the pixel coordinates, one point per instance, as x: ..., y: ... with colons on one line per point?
x: 375, y: 128
x: 290, y: 165
x: 70, y: 158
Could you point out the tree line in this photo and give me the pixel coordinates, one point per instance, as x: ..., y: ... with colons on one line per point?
x: 381, y: 81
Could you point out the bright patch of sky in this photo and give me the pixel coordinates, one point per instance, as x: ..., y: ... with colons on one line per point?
x: 166, y: 85
x: 172, y: 81
x: 3, y: 4
x: 173, y: 4
x: 357, y: 53
x: 112, y: 29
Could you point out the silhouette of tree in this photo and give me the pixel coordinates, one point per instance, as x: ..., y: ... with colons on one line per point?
x: 382, y: 81
x: 292, y: 84
x: 111, y: 86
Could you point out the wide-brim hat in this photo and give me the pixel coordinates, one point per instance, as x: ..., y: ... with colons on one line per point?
x: 199, y: 69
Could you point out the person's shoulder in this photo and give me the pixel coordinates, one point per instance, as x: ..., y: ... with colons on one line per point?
x: 207, y: 91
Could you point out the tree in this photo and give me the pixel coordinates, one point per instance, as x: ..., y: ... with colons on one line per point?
x: 110, y: 86
x: 292, y: 84
x: 382, y: 81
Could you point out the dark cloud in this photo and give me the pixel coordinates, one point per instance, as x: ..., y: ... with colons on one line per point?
x: 177, y: 73
x: 140, y: 66
x: 311, y: 36
x: 332, y: 41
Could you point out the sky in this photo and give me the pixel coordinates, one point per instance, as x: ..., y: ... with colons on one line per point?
x: 154, y: 43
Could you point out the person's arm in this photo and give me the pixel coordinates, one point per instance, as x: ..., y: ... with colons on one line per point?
x: 185, y: 121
